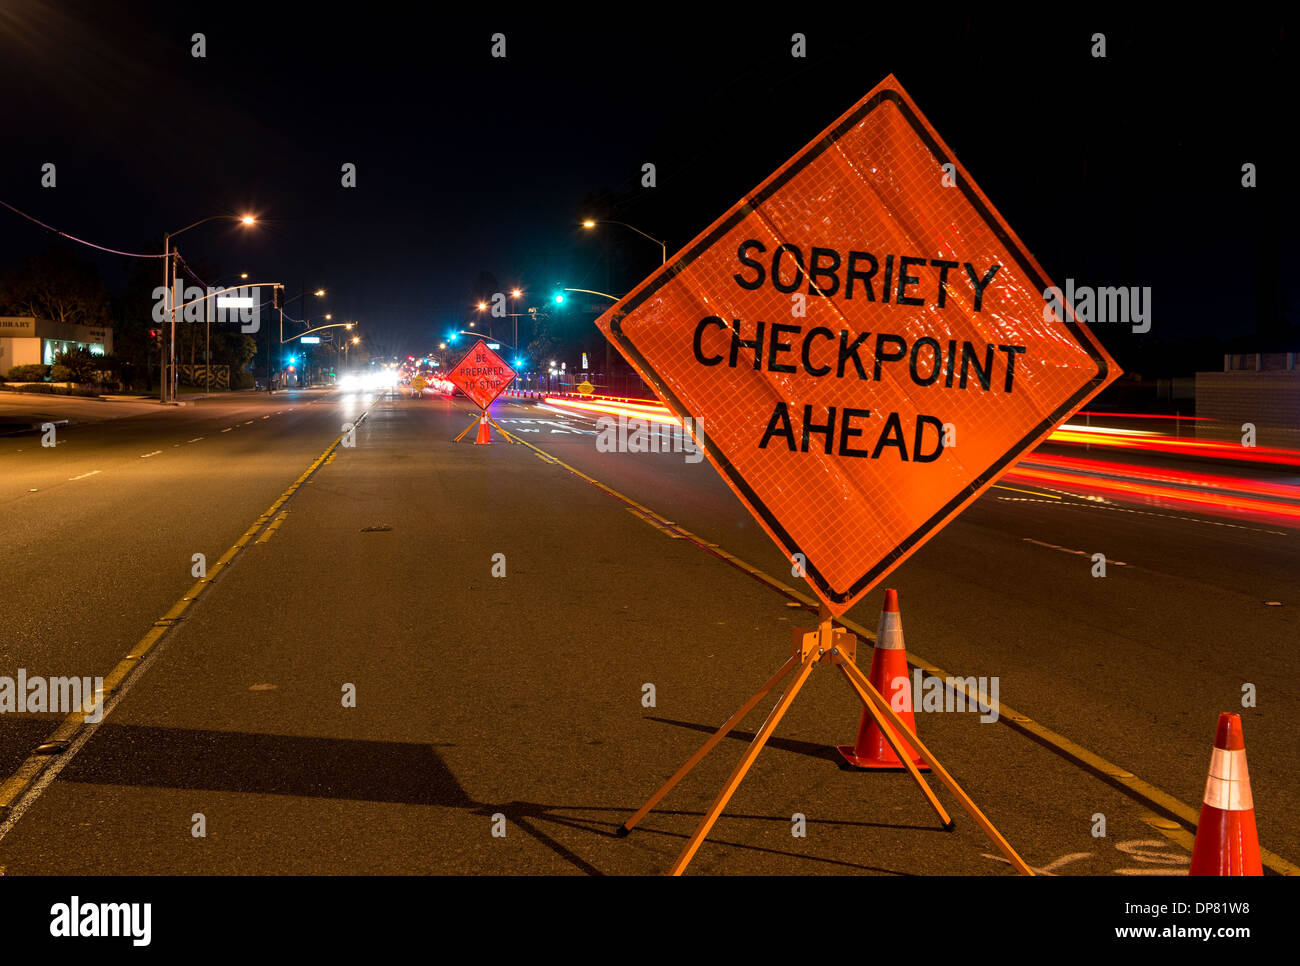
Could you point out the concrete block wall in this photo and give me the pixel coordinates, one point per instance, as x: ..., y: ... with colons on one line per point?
x: 1270, y: 400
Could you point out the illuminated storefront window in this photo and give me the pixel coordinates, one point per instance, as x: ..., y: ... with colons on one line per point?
x: 54, y: 346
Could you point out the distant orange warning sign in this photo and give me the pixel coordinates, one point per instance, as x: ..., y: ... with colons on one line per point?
x: 864, y: 344
x: 481, y: 374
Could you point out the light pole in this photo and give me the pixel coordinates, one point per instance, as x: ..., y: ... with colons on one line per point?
x: 515, y: 295
x: 319, y: 293
x: 343, y: 345
x: 169, y: 275
x: 609, y: 376
x: 591, y: 223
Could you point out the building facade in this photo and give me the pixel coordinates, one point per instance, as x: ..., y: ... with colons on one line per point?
x: 25, y: 340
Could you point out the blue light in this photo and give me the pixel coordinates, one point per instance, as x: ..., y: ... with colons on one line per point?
x: 559, y: 298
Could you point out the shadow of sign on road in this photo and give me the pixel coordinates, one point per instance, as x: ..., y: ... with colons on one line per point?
x: 342, y: 768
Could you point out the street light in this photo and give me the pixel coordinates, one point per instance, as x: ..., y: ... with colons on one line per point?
x: 347, y: 346
x: 168, y: 394
x: 515, y: 294
x: 590, y: 223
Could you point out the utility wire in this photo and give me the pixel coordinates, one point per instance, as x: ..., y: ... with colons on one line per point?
x: 80, y: 241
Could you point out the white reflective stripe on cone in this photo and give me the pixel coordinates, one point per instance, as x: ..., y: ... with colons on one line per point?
x: 1228, y: 785
x: 889, y: 635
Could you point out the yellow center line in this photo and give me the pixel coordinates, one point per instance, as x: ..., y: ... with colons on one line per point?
x: 14, y: 788
x: 999, y: 486
x: 270, y: 531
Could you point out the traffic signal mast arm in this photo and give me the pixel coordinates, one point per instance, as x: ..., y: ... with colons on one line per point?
x: 332, y: 325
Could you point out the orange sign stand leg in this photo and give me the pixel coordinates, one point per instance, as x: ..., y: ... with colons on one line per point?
x: 510, y: 436
x: 473, y: 425
x: 837, y: 646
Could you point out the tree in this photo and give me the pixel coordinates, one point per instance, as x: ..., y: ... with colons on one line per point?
x: 236, y: 350
x: 135, y: 333
x: 56, y: 285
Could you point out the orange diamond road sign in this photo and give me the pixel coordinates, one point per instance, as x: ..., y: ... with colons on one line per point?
x: 481, y: 374
x: 862, y: 344
x: 585, y: 388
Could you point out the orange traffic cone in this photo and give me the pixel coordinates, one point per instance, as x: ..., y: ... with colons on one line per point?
x: 484, y: 434
x: 890, y: 676
x: 1226, y: 840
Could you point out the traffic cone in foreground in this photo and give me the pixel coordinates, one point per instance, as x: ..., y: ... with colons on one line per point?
x: 1226, y: 840
x: 890, y: 676
x: 484, y: 434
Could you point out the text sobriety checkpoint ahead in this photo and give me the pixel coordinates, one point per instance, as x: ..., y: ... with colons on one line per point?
x: 820, y: 351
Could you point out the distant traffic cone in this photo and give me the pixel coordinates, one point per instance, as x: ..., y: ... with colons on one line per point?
x: 890, y: 676
x: 1226, y: 840
x: 484, y: 434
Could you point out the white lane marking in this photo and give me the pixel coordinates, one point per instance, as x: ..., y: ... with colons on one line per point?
x: 145, y: 456
x: 266, y: 417
x: 228, y: 429
x: 1152, y: 871
x: 1051, y: 867
x: 84, y: 475
x: 1078, y: 553
x: 196, y: 439
x: 249, y: 423
x: 1144, y: 513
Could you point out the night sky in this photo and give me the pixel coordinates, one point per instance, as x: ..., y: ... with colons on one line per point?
x: 1122, y: 171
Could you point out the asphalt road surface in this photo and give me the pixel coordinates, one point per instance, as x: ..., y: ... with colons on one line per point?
x: 355, y: 691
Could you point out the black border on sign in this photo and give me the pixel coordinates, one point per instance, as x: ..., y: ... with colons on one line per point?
x: 1022, y: 259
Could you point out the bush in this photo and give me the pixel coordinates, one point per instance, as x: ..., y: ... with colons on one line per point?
x: 79, y: 363
x: 49, y: 389
x: 63, y: 374
x: 33, y: 372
